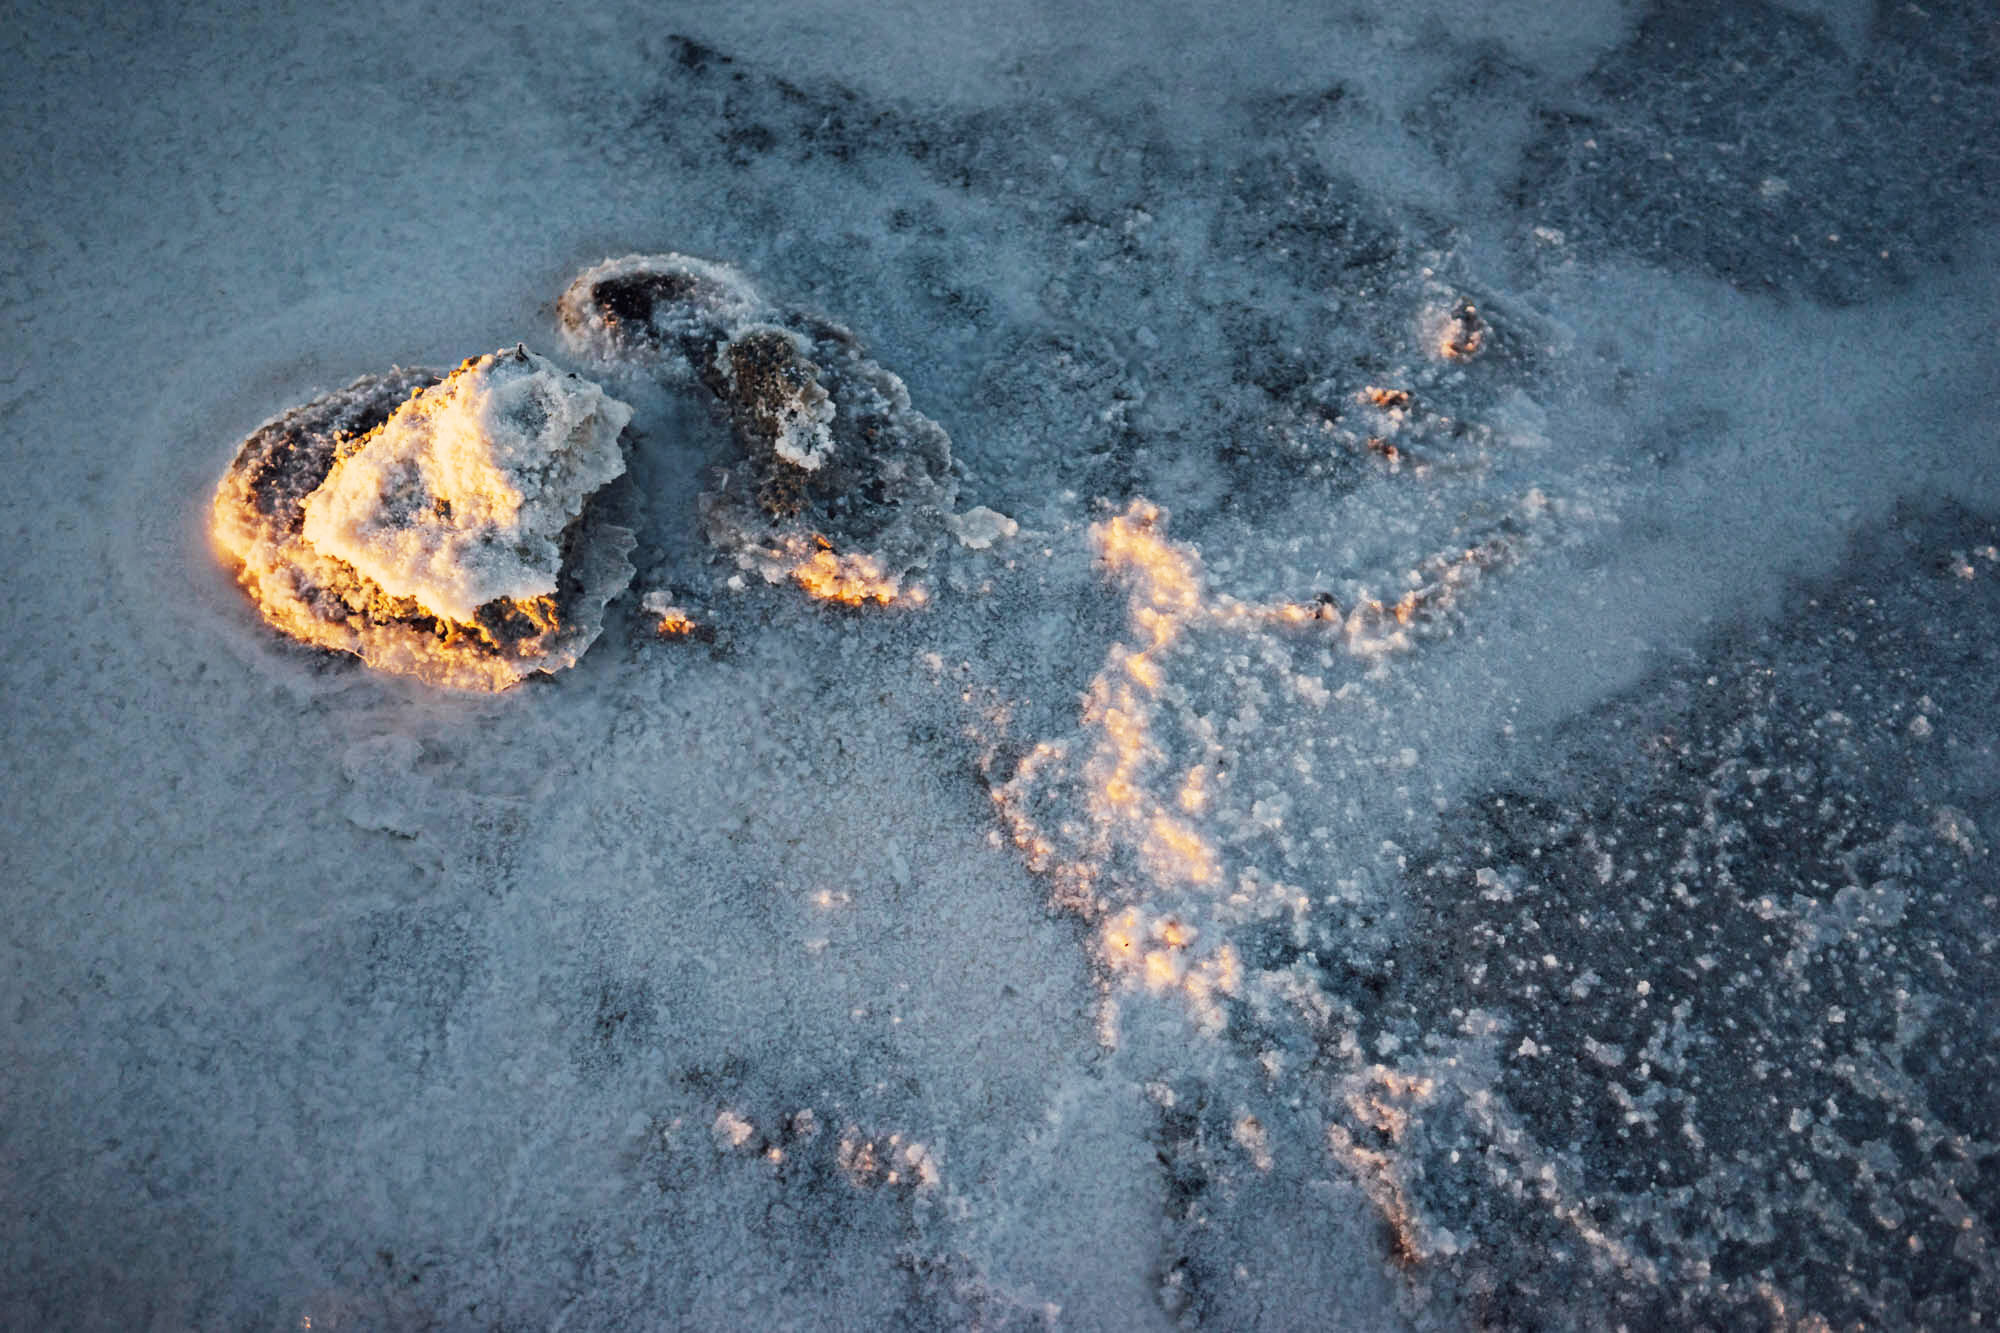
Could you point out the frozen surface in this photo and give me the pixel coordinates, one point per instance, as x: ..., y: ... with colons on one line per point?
x: 1430, y: 757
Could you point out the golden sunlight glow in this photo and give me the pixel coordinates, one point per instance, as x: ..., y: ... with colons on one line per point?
x: 1194, y: 790
x: 1147, y: 769
x: 1158, y: 954
x: 1144, y: 670
x: 1166, y: 596
x: 1186, y: 853
x: 1165, y: 576
x: 1460, y: 333
x: 1382, y: 1102
x: 1121, y: 938
x: 851, y: 580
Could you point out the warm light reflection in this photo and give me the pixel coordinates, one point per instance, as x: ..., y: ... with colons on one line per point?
x: 1165, y: 590
x: 1194, y: 789
x: 851, y: 580
x: 1180, y: 850
x: 1460, y: 333
x: 1381, y: 1102
x: 1153, y: 823
x: 1159, y: 954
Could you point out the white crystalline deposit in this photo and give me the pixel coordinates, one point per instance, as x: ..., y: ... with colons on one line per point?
x: 435, y: 526
x: 789, y: 403
x: 639, y: 304
x: 839, y: 485
x: 979, y: 527
x: 462, y: 497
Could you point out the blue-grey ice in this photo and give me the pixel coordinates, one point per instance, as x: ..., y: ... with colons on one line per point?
x: 1430, y: 758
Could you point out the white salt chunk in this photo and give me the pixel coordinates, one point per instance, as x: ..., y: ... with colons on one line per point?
x: 462, y: 496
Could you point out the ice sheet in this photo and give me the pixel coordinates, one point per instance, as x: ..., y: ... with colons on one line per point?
x: 1152, y: 927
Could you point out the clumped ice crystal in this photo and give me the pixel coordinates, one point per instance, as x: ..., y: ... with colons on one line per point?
x: 841, y: 486
x: 437, y: 526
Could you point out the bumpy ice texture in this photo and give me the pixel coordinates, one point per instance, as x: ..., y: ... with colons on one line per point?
x: 435, y: 526
x: 842, y: 486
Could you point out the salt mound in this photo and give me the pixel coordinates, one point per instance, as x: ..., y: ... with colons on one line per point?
x: 438, y: 527
x: 841, y: 486
x: 462, y: 496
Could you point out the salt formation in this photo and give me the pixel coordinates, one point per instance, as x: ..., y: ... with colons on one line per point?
x: 435, y: 526
x: 1183, y: 813
x: 841, y: 487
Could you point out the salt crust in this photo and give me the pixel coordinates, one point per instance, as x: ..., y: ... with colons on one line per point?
x: 462, y: 497
x: 460, y: 544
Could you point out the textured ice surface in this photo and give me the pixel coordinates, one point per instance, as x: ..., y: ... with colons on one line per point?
x: 840, y: 485
x: 1464, y: 795
x: 1683, y: 145
x: 1722, y: 981
x: 433, y: 525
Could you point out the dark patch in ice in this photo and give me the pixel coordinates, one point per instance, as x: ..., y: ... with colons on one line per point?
x: 1742, y: 948
x: 1125, y: 310
x: 623, y: 1023
x: 761, y: 116
x: 398, y: 975
x: 1741, y: 140
x: 1186, y: 1136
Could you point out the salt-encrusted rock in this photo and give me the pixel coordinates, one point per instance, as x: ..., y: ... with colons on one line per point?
x: 435, y: 526
x: 461, y: 498
x: 842, y: 486
x: 766, y: 375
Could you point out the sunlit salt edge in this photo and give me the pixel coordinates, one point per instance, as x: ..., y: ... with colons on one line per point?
x: 176, y: 586
x: 598, y: 562
x: 513, y: 490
